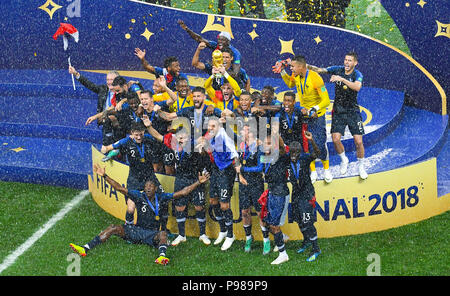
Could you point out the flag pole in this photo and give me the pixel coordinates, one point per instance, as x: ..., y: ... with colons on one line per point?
x: 73, y: 80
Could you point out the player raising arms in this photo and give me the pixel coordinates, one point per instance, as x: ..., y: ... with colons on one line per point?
x: 146, y: 204
x: 348, y: 83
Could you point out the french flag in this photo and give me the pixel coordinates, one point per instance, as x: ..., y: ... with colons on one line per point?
x: 66, y: 30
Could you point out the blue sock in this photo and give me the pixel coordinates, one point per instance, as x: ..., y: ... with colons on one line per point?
x: 201, y: 219
x: 278, y: 237
x: 93, y: 243
x: 228, y: 214
x: 181, y: 221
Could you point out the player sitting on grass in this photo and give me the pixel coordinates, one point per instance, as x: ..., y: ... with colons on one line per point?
x: 146, y: 204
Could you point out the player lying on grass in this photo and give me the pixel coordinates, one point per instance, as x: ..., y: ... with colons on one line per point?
x: 146, y: 204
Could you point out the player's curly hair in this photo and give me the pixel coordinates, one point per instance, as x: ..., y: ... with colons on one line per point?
x: 169, y: 60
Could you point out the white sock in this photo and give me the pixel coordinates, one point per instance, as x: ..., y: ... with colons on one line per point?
x: 342, y: 156
x: 361, y: 162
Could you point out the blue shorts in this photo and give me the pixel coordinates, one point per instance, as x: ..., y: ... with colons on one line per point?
x: 196, y: 197
x: 249, y: 195
x: 304, y: 212
x: 277, y: 207
x: 222, y: 183
x: 139, y: 235
x: 339, y: 121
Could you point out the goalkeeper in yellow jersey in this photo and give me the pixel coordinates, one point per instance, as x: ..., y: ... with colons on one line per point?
x: 313, y: 96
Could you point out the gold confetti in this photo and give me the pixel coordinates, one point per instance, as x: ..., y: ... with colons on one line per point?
x: 127, y: 36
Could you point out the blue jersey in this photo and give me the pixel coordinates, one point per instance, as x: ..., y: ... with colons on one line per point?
x: 159, y: 124
x: 171, y: 81
x: 275, y: 175
x: 197, y: 119
x: 291, y: 126
x: 146, y: 209
x: 269, y: 114
x: 187, y: 163
x: 345, y: 99
x: 299, y: 176
x: 250, y: 160
x: 139, y: 156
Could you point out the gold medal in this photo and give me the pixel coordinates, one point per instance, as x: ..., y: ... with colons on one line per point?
x: 244, y: 162
x: 246, y: 119
x: 197, y: 130
x: 142, y: 159
x: 290, y: 131
x: 157, y: 218
x: 344, y: 87
x: 268, y: 125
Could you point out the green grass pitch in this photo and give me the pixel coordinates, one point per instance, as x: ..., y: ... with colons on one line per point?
x: 416, y: 249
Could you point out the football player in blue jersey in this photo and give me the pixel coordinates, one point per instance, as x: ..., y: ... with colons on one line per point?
x: 146, y: 204
x: 346, y: 112
x: 225, y: 158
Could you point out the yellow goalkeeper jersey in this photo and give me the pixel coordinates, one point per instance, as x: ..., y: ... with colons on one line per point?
x: 311, y: 93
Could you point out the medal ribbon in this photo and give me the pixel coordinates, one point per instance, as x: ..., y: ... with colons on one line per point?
x: 266, y: 168
x: 290, y: 123
x: 306, y: 77
x: 198, y: 120
x: 178, y: 103
x: 156, y: 208
x: 227, y: 105
x: 246, y: 152
x: 141, y: 152
x: 180, y: 156
x: 296, y: 171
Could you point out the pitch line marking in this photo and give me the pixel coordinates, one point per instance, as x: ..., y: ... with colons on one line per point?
x: 11, y: 258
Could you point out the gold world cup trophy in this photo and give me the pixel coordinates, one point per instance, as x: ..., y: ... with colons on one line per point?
x: 217, y: 61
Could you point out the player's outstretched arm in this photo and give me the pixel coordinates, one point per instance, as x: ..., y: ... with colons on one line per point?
x: 102, y: 172
x: 172, y: 96
x: 148, y: 124
x: 202, y: 178
x: 84, y: 81
x: 196, y: 57
x: 141, y: 55
x: 316, y: 150
x: 193, y: 35
x: 317, y: 69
